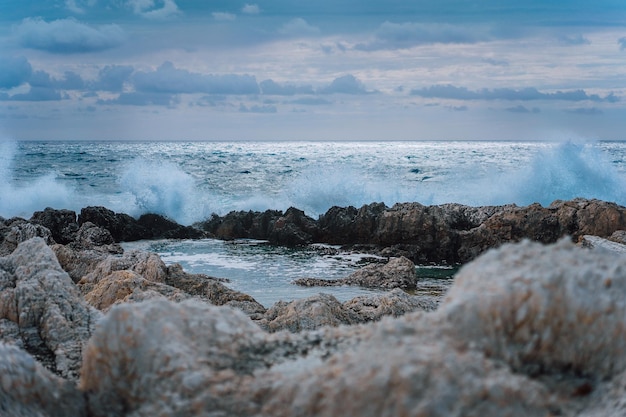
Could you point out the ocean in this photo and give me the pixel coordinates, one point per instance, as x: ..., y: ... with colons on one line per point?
x: 188, y: 181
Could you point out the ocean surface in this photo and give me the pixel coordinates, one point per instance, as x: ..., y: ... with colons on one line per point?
x: 188, y: 181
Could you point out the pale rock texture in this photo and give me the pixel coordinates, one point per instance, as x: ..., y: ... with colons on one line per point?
x: 393, y: 303
x: 38, y: 297
x: 17, y: 230
x: 27, y: 389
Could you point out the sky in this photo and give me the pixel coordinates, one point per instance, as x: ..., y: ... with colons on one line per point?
x: 314, y: 70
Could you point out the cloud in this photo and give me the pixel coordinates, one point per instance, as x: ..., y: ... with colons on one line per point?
x: 347, y: 84
x: 270, y: 87
x: 298, y: 27
x: 36, y: 94
x: 311, y: 101
x: 574, y: 40
x: 592, y: 111
x: 525, y: 94
x: 622, y: 43
x: 68, y: 36
x: 522, y: 109
x: 407, y: 35
x: 257, y: 109
x: 155, y: 10
x: 14, y: 71
x: 459, y: 108
x: 224, y: 17
x: 143, y: 99
x: 496, y: 62
x: 70, y: 81
x: 171, y: 80
x: 251, y: 9
x: 112, y: 78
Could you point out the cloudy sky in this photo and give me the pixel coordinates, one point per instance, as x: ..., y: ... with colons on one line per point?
x: 321, y: 70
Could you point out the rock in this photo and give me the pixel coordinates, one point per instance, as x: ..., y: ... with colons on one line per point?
x: 122, y: 227
x: 17, y: 230
x: 161, y: 358
x: 61, y: 223
x: 90, y: 236
x: 128, y: 286
x: 294, y: 228
x: 148, y: 265
x: 348, y: 225
x: 241, y: 224
x: 543, y: 309
x: 307, y: 314
x: 397, y: 273
x: 40, y: 298
x: 394, y: 303
x: 28, y: 389
x: 595, y: 242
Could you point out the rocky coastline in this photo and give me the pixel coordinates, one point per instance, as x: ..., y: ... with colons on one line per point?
x: 533, y: 324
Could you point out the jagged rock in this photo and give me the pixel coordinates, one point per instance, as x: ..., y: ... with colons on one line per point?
x: 542, y: 309
x: 307, y: 314
x: 294, y: 228
x: 17, y: 230
x: 61, y: 223
x: 90, y: 236
x: 128, y: 286
x: 394, y: 303
x: 595, y: 242
x: 397, y: 273
x: 36, y: 294
x: 28, y: 389
x: 241, y: 224
x: 122, y: 227
x: 148, y: 265
x: 160, y: 227
x: 160, y: 358
x: 348, y: 225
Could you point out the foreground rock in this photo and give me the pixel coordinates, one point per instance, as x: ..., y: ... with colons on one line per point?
x: 41, y: 310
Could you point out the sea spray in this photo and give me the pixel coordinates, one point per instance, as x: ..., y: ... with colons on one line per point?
x: 561, y: 172
x: 39, y: 193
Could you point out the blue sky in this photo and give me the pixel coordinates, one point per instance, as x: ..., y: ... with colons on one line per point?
x: 329, y: 69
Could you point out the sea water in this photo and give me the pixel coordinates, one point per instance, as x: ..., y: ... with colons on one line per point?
x: 188, y: 181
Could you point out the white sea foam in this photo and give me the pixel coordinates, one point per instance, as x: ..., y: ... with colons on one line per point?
x: 44, y: 191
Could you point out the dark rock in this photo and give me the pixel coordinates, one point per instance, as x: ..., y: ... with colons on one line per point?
x: 122, y: 227
x: 160, y: 227
x: 294, y: 228
x: 348, y: 225
x: 61, y: 223
x: 242, y: 224
x: 17, y: 230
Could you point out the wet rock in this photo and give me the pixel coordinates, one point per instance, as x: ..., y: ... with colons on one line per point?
x: 28, y: 389
x: 40, y: 298
x: 159, y: 227
x: 122, y: 227
x: 294, y: 228
x: 307, y: 314
x: 61, y: 223
x: 17, y: 230
x: 348, y: 225
x: 241, y: 224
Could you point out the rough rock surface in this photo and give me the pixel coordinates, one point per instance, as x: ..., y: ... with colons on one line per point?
x: 17, y: 230
x: 61, y: 223
x: 527, y: 329
x: 27, y: 389
x: 394, y: 303
x: 450, y: 233
x: 397, y: 273
x: 39, y: 298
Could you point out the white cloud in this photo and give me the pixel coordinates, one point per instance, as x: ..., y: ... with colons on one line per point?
x: 298, y: 27
x: 251, y: 9
x: 67, y: 36
x: 406, y: 35
x: 154, y: 10
x: 224, y: 17
x: 347, y: 84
